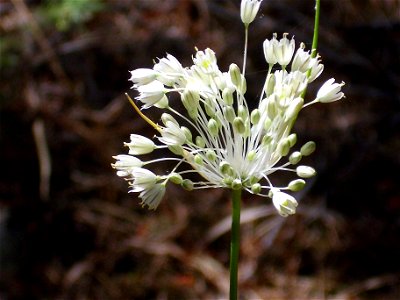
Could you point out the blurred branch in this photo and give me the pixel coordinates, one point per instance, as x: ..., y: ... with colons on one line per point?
x: 40, y: 38
x: 39, y: 136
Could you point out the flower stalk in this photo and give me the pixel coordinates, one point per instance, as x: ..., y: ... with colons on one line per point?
x: 235, y: 244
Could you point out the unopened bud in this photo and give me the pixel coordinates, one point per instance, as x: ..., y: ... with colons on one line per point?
x: 256, y: 188
x: 187, y: 184
x: 238, y: 125
x: 213, y: 127
x: 296, y: 185
x: 308, y: 148
x: 305, y: 171
x: 295, y: 157
x: 255, y: 116
x: 175, y: 178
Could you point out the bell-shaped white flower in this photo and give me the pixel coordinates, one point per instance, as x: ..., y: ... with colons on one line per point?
x: 248, y: 10
x: 269, y: 47
x: 151, y: 93
x: 285, y: 204
x: 143, y: 179
x: 125, y: 164
x: 284, y: 51
x: 172, y: 134
x: 330, y: 92
x: 152, y: 196
x: 142, y: 76
x: 140, y: 145
x: 170, y: 70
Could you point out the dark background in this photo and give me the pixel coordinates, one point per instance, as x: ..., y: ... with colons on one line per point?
x: 70, y: 230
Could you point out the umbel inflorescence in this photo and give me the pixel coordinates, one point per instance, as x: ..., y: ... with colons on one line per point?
x: 218, y: 136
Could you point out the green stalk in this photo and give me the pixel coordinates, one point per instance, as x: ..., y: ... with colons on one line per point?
x: 235, y: 244
x: 315, y: 38
x: 316, y: 29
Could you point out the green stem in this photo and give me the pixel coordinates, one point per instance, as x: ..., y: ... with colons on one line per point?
x: 235, y: 243
x: 316, y: 29
x: 315, y: 38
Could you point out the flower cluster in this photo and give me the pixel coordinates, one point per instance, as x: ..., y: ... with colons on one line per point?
x: 218, y: 136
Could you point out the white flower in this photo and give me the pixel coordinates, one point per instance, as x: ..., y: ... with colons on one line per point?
x: 284, y: 50
x: 125, y: 164
x: 303, y: 62
x: 143, y: 179
x: 330, y: 91
x: 248, y: 10
x: 172, y: 134
x: 269, y: 47
x: 140, y: 145
x: 142, y: 76
x: 153, y: 196
x: 284, y: 203
x: 170, y: 70
x: 151, y: 93
x: 218, y: 136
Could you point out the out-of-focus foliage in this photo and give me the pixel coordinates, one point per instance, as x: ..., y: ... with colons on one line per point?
x: 67, y: 13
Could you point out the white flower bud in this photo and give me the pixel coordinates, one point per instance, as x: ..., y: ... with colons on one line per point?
x: 227, y: 96
x: 176, y: 149
x: 187, y: 184
x: 239, y: 125
x: 251, y: 155
x: 284, y: 203
x: 226, y: 168
x: 330, y: 91
x: 187, y: 133
x: 256, y: 188
x: 284, y: 147
x: 200, y: 142
x: 168, y: 118
x: 292, y: 139
x: 175, y: 178
x: 236, y: 184
x: 308, y: 148
x: 269, y: 84
x: 305, y: 171
x: 295, y: 157
x: 211, y: 156
x: 296, y: 185
x: 213, y: 127
x: 248, y: 10
x: 229, y: 113
x: 198, y: 159
x: 236, y: 76
x: 140, y: 145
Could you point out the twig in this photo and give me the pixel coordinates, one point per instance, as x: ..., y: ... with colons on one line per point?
x: 40, y: 38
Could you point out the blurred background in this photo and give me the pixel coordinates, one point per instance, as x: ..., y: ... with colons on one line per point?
x: 70, y: 230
